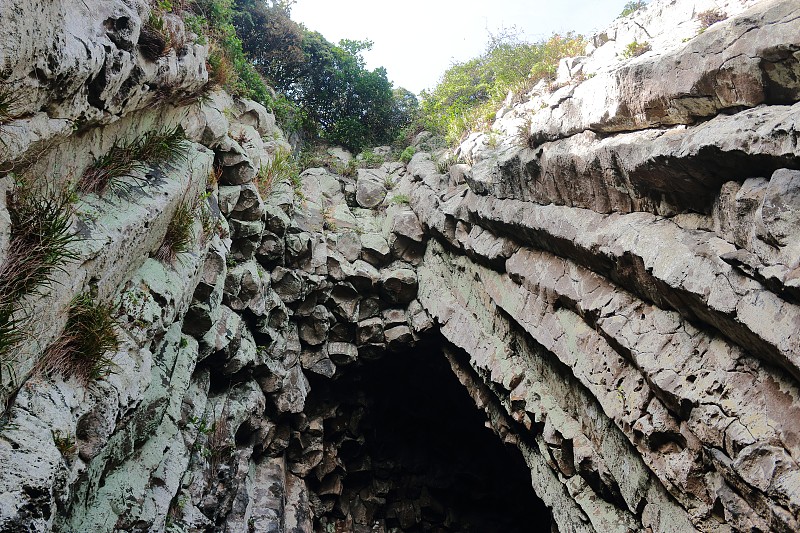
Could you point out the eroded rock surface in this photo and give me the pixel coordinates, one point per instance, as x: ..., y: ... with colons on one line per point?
x: 617, y: 292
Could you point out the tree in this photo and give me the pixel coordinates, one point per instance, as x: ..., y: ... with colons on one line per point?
x: 271, y: 40
x: 341, y: 100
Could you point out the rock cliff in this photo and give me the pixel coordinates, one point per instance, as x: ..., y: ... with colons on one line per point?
x: 609, y: 281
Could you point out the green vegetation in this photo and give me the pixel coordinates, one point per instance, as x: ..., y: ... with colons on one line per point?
x: 125, y: 160
x: 41, y: 243
x: 407, y: 154
x: 328, y: 92
x: 282, y: 167
x: 635, y: 49
x: 400, y: 199
x: 469, y: 93
x: 632, y: 7
x: 179, y: 236
x: 369, y: 159
x: 86, y: 347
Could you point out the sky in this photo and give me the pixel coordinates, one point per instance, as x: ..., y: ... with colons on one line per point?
x: 417, y: 40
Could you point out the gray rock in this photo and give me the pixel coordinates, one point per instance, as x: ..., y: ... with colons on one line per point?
x: 318, y: 362
x: 780, y: 212
x: 370, y: 188
x: 375, y: 249
x: 248, y: 205
x: 287, y: 284
x: 406, y: 224
x: 369, y: 331
x: 399, y: 285
x: 398, y: 337
x: 314, y: 327
x: 342, y: 353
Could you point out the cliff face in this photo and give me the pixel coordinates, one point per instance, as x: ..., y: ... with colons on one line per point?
x: 612, y: 276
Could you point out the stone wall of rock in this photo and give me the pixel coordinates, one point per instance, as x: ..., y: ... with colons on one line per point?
x: 612, y: 277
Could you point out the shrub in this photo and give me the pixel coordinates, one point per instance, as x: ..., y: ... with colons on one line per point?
x: 632, y: 7
x: 65, y: 443
x: 709, y: 17
x: 635, y: 49
x: 369, y: 159
x: 469, y: 93
x: 407, y: 154
x: 179, y: 236
x: 125, y: 160
x: 86, y: 347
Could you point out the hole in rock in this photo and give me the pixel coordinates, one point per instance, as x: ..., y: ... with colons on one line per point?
x: 412, y: 453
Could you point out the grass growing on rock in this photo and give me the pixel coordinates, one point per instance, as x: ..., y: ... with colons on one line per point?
x: 635, y: 49
x: 282, y: 167
x: 179, y: 236
x: 7, y: 103
x: 86, y: 347
x: 41, y: 243
x: 125, y: 160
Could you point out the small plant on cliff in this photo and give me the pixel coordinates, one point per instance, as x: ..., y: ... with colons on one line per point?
x: 179, y: 236
x: 154, y: 38
x: 632, y: 7
x: 41, y: 242
x: 407, y: 154
x: 65, y: 443
x: 369, y: 159
x: 635, y: 49
x: 444, y: 164
x: 86, y: 347
x: 523, y: 137
x: 400, y: 199
x: 282, y: 167
x: 125, y: 160
x: 709, y: 17
x: 7, y: 104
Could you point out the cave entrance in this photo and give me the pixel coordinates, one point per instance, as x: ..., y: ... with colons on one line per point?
x: 414, y: 454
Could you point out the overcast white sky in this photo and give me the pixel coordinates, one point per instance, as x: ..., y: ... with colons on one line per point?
x: 416, y: 40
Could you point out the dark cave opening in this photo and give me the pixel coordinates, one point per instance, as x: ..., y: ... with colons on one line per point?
x: 415, y: 454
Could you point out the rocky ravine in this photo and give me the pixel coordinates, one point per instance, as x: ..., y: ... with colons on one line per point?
x: 616, y: 289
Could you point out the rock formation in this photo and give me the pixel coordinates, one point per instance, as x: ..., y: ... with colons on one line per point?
x: 609, y: 281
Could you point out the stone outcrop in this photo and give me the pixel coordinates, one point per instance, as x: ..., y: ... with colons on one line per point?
x: 616, y: 289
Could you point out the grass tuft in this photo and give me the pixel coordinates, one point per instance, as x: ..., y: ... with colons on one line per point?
x: 41, y: 242
x: 86, y: 347
x: 179, y: 236
x: 7, y: 104
x: 125, y: 160
x: 444, y: 164
x: 282, y: 167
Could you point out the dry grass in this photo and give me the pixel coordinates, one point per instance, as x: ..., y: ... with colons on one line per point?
x: 179, y: 236
x: 282, y: 167
x: 86, y: 347
x: 125, y: 160
x: 711, y: 16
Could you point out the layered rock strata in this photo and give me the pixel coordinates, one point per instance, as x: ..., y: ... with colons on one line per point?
x: 616, y: 289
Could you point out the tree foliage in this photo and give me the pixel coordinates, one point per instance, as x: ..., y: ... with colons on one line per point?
x: 339, y: 99
x: 469, y: 93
